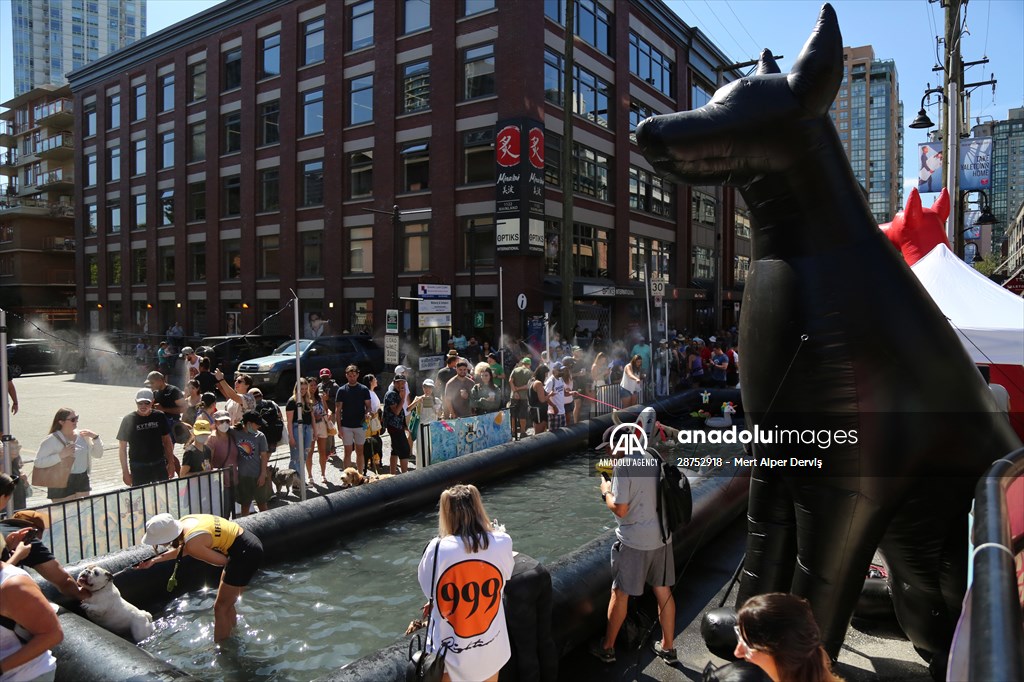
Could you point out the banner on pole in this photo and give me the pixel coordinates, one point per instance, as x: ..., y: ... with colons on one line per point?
x: 975, y: 165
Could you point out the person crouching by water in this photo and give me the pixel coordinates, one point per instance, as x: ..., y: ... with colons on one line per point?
x: 468, y: 558
x: 777, y: 633
x: 215, y: 541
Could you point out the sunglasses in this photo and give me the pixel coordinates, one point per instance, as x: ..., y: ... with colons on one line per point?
x: 72, y: 419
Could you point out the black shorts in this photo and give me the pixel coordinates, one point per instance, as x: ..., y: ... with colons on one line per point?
x: 149, y: 472
x: 77, y: 483
x: 399, y: 443
x: 538, y: 415
x: 244, y: 557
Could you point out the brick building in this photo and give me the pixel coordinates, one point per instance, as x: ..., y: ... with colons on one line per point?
x: 237, y: 153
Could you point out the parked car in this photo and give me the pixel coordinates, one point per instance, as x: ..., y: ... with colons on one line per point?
x: 275, y: 373
x: 25, y: 356
x: 227, y: 352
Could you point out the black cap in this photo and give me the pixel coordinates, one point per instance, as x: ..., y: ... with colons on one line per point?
x: 209, y: 399
x: 253, y: 417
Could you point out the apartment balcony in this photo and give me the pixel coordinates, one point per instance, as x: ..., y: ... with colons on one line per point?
x: 59, y: 244
x: 9, y: 162
x: 7, y: 135
x: 57, y: 114
x: 11, y: 206
x: 60, y: 277
x: 57, y: 147
x: 59, y: 179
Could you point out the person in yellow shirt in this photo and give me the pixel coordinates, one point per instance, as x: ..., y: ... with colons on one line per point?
x: 216, y: 541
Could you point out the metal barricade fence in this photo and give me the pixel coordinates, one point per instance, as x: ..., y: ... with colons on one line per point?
x: 109, y: 522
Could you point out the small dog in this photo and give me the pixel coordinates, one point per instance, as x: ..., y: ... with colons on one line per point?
x: 351, y: 477
x: 283, y: 479
x: 109, y: 610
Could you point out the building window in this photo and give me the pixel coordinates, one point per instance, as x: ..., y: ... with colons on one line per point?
x: 269, y: 188
x: 139, y: 102
x: 313, y: 41
x: 416, y: 247
x: 90, y: 120
x: 268, y: 250
x: 313, y: 112
x: 416, y: 15
x: 416, y: 166
x: 114, y: 217
x: 231, y: 65
x: 590, y: 93
x: 114, y: 267
x: 167, y: 207
x: 590, y: 172
x: 197, y: 81
x: 139, y: 266
x: 360, y: 255
x: 741, y: 221
x: 360, y: 170
x: 479, y: 246
x: 114, y: 164
x: 91, y: 216
x: 197, y: 142
x: 312, y: 183
x: 650, y: 256
x: 650, y: 65
x: 231, y: 252
x: 90, y: 170
x: 360, y: 100
x: 92, y: 267
x: 703, y: 207
x: 139, y: 156
x: 650, y: 193
x: 311, y: 254
x: 231, y: 199
x: 592, y: 22
x: 702, y: 263
x: 197, y: 201
x: 590, y: 250
x: 165, y: 264
x: 471, y: 7
x: 700, y: 94
x: 197, y: 262
x: 113, y: 112
x: 361, y: 26
x: 416, y: 86
x: 167, y: 149
x: 231, y: 127
x: 478, y: 65
x: 270, y: 128
x: 741, y: 267
x: 167, y: 92
x: 638, y: 111
x: 139, y: 201
x: 271, y: 63
x: 478, y: 156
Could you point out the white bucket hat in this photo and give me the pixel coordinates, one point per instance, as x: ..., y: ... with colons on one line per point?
x: 162, y: 529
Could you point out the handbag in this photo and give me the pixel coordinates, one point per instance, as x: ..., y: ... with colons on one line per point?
x: 423, y: 666
x: 414, y: 425
x: 55, y: 476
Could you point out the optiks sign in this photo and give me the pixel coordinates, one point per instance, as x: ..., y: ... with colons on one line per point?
x: 519, y: 186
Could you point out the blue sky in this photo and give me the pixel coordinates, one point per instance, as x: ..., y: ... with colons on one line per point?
x: 901, y: 30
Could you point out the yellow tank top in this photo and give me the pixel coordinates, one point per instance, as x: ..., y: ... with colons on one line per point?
x: 221, y: 531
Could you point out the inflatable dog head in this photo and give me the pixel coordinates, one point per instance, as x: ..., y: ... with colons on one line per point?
x: 916, y: 230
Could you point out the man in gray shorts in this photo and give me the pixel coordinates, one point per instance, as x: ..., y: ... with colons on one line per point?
x: 352, y: 409
x: 639, y: 555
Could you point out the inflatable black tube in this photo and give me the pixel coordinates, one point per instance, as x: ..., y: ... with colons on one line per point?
x: 581, y: 581
x: 89, y: 653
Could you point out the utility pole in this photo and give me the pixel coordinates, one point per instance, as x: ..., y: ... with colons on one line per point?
x: 568, y: 312
x: 952, y: 79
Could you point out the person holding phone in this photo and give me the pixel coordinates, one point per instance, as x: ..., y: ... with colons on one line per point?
x: 66, y: 440
x: 22, y: 534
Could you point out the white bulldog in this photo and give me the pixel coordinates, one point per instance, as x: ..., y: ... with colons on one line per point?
x: 109, y: 610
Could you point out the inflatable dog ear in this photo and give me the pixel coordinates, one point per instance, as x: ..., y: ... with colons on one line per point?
x: 818, y: 71
x: 916, y: 230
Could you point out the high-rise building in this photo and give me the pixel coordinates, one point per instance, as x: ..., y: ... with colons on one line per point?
x: 1007, y: 189
x: 52, y: 38
x: 869, y: 116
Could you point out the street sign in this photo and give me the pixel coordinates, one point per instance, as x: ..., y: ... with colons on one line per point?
x: 391, y: 321
x: 658, y: 287
x: 478, y: 320
x: 435, y: 305
x: 430, y: 363
x: 657, y: 301
x: 435, y: 320
x: 434, y: 290
x: 391, y: 350
x: 521, y: 301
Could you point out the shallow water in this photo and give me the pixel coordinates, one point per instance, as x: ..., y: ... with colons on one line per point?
x: 299, y: 620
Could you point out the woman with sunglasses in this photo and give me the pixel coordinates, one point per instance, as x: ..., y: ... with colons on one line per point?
x: 66, y: 441
x: 777, y: 633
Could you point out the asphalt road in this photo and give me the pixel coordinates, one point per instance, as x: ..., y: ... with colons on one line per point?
x: 101, y: 403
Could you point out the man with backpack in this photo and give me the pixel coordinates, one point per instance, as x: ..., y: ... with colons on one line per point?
x: 642, y: 552
x: 271, y: 414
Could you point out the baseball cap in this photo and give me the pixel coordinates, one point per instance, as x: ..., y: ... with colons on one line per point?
x: 557, y: 365
x: 712, y: 339
x: 145, y: 394
x: 527, y: 361
x: 453, y: 353
x: 253, y: 417
x: 697, y: 339
x: 28, y: 518
x: 221, y: 415
x: 325, y: 372
x: 568, y: 360
x: 161, y: 530
x: 428, y: 382
x: 187, y: 350
x: 209, y: 399
x: 399, y: 377
x: 201, y: 428
x: 401, y: 369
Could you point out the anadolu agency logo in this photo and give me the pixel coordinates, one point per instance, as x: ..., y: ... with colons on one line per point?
x: 628, y: 439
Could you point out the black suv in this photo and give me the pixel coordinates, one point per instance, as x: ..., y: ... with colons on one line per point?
x: 227, y: 352
x: 275, y: 373
x: 42, y: 355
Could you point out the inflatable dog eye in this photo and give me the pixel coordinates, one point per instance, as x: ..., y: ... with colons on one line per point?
x: 839, y: 338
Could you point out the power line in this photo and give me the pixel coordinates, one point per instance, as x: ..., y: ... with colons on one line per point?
x: 757, y: 46
x: 719, y: 20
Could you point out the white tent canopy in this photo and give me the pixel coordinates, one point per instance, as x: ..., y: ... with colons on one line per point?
x: 988, y: 319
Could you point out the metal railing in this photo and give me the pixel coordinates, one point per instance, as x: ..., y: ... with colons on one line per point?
x: 58, y: 106
x: 61, y: 140
x: 994, y: 625
x: 110, y: 522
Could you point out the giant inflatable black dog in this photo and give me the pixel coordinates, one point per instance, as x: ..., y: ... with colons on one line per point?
x: 838, y: 335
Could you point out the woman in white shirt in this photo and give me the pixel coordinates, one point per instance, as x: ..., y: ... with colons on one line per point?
x: 67, y: 440
x: 25, y: 647
x: 463, y: 574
